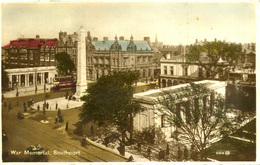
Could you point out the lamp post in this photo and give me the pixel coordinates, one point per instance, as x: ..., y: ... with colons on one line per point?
x: 35, y: 81
x: 44, y: 97
x: 17, y: 94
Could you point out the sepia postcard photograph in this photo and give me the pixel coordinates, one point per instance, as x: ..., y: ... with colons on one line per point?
x: 118, y: 82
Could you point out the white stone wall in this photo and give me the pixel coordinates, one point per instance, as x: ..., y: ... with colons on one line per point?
x: 154, y: 116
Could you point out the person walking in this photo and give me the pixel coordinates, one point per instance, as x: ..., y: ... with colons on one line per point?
x: 59, y: 112
x: 38, y: 107
x: 56, y: 107
x: 180, y: 154
x: 149, y: 152
x: 67, y: 126
x: 47, y: 105
x: 92, y: 130
x: 186, y: 153
x: 56, y: 119
x: 139, y: 146
x: 9, y: 106
x: 5, y: 104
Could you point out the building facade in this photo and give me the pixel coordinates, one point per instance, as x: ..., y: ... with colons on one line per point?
x: 68, y: 43
x: 31, y: 52
x: 106, y: 56
x: 175, y: 70
x: 152, y: 117
x: 33, y: 76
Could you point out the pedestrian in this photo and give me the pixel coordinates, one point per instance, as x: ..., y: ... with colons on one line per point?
x: 38, y: 107
x: 130, y: 159
x: 5, y: 104
x: 139, y: 146
x: 167, y: 150
x: 106, y: 141
x: 28, y: 104
x: 24, y: 107
x: 179, y: 154
x: 67, y: 106
x: 149, y: 152
x: 9, y: 106
x: 47, y: 105
x: 59, y: 112
x: 186, y: 154
x: 32, y: 101
x: 67, y: 126
x: 56, y: 119
x: 92, y: 130
x: 44, y: 111
x: 56, y: 106
x: 122, y: 149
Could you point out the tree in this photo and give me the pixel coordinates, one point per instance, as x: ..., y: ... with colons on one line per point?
x: 65, y: 65
x: 197, y: 117
x: 109, y: 101
x: 210, y: 54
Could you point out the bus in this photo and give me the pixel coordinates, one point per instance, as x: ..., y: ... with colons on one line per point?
x: 64, y: 82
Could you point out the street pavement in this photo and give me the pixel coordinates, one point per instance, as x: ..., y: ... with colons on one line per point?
x: 26, y: 91
x: 25, y: 132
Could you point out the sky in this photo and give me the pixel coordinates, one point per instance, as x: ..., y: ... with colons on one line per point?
x: 173, y: 23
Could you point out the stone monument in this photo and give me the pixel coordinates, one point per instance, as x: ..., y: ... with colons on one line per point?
x: 81, y: 85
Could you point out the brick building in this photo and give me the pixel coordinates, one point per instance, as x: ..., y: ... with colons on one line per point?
x: 29, y: 52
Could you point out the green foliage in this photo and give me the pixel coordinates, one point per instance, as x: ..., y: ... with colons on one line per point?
x: 151, y: 135
x: 109, y: 100
x: 204, y: 119
x: 229, y: 52
x: 65, y: 65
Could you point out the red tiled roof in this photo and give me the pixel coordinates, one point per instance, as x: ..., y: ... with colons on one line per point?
x: 32, y: 43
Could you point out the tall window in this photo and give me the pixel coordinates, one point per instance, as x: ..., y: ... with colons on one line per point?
x: 144, y: 73
x: 185, y: 71
x: 165, y: 70
x: 171, y: 70
x: 163, y: 120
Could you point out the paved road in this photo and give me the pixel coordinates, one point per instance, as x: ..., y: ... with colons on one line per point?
x: 25, y: 132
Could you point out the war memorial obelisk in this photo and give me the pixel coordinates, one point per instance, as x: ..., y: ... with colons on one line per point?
x: 81, y: 65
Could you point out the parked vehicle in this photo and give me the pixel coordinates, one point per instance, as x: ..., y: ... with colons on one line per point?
x: 20, y: 115
x: 41, y: 154
x: 4, y: 136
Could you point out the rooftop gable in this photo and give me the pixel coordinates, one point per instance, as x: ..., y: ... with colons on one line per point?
x: 105, y: 45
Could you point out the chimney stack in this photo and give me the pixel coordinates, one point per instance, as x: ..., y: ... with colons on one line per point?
x: 121, y: 38
x: 37, y: 36
x: 95, y: 39
x: 105, y: 38
x: 147, y: 39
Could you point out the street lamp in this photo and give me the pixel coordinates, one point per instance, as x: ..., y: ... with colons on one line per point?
x: 44, y: 104
x: 35, y: 81
x: 17, y: 94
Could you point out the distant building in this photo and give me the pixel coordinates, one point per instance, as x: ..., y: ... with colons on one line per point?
x: 244, y: 73
x: 175, y: 70
x: 155, y: 46
x: 106, y: 56
x: 68, y: 43
x: 29, y: 52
